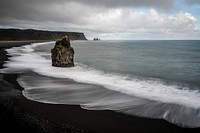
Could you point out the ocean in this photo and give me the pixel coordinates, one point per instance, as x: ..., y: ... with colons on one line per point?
x: 148, y: 78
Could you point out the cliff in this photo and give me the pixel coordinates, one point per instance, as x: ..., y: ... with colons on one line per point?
x: 31, y: 34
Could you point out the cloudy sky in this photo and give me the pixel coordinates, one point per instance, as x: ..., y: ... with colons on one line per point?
x: 107, y: 19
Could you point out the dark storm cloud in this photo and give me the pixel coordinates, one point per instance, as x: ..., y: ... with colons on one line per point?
x: 25, y: 9
x: 63, y: 11
x: 130, y: 3
x: 38, y: 9
x: 106, y: 3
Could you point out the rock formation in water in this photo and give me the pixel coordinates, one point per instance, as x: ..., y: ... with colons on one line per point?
x: 96, y: 39
x: 62, y: 54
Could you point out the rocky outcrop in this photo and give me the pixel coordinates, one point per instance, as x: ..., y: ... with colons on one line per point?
x: 62, y: 54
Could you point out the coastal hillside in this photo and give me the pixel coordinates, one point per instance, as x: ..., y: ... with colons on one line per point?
x: 31, y: 34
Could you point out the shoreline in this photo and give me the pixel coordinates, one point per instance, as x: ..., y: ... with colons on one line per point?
x: 21, y: 114
x: 15, y: 110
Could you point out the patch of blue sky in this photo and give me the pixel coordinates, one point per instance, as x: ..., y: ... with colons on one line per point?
x: 194, y: 9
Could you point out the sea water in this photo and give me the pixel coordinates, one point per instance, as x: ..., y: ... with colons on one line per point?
x: 155, y: 79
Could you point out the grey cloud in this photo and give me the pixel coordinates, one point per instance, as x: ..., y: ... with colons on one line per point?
x: 27, y: 9
x: 130, y: 3
x: 45, y: 10
x: 192, y: 2
x: 106, y: 3
x: 57, y: 10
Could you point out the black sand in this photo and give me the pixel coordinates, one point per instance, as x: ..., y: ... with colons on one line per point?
x: 18, y: 114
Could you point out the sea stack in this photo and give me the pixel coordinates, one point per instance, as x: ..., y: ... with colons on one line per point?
x: 62, y: 54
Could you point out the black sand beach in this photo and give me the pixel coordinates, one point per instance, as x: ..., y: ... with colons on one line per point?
x: 19, y: 114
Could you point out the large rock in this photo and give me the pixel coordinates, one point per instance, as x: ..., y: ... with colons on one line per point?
x: 62, y: 54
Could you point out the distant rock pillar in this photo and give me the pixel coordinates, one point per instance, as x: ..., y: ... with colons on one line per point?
x: 62, y: 54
